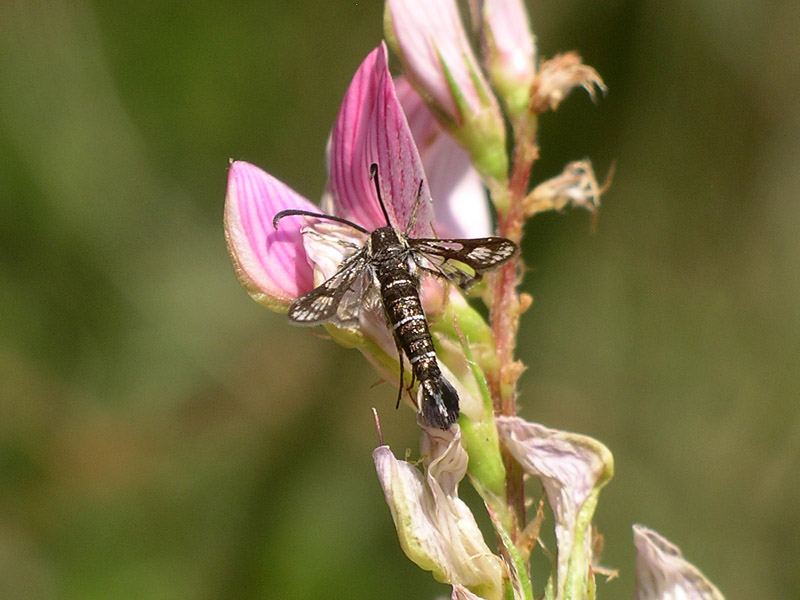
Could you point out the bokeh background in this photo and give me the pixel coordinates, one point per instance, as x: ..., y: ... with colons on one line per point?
x: 164, y: 437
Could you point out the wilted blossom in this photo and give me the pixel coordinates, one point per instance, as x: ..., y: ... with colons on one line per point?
x: 435, y: 528
x: 576, y: 185
x: 663, y: 574
x: 508, y: 50
x: 572, y: 469
x: 429, y: 38
x: 558, y: 76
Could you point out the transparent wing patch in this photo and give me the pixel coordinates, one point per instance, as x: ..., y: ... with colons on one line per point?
x: 463, y: 262
x: 337, y: 300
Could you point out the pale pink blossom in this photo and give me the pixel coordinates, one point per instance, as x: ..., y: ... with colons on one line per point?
x: 572, y: 469
x: 663, y: 574
x: 460, y: 204
x: 508, y: 50
x: 429, y: 38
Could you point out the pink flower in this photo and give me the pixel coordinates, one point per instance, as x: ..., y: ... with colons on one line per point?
x: 277, y: 266
x: 460, y: 204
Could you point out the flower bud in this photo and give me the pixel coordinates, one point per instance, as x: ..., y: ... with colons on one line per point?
x: 509, y: 52
x: 430, y: 40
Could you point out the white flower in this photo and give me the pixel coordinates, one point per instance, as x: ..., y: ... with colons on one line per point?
x: 436, y: 529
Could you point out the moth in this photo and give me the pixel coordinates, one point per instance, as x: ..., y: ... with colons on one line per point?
x: 390, y: 264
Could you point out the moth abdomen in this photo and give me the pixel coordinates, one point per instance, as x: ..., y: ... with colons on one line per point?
x: 438, y: 402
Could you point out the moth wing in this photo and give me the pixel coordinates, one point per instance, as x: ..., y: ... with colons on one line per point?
x: 462, y: 261
x: 338, y: 299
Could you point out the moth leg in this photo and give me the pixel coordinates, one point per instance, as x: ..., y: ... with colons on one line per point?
x: 413, y: 218
x: 413, y: 381
x: 402, y: 371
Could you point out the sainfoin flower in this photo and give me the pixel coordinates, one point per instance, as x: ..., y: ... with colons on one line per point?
x: 273, y: 265
x: 276, y: 266
x: 460, y: 205
x: 663, y: 574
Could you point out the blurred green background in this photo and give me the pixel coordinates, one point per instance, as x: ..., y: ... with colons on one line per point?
x: 164, y: 437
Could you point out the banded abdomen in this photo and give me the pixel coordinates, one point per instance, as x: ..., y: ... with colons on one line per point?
x: 399, y: 289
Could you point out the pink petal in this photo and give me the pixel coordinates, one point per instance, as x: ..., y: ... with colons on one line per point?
x: 371, y: 128
x: 271, y: 264
x: 459, y: 198
x: 429, y: 32
x: 507, y: 22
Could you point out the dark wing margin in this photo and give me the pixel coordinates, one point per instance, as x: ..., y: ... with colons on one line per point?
x: 337, y: 300
x: 463, y: 262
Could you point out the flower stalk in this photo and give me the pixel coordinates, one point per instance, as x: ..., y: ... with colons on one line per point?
x: 436, y: 138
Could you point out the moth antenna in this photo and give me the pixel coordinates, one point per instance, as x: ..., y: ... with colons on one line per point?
x: 373, y: 174
x: 291, y: 212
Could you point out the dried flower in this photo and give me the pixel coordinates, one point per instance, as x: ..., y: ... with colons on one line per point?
x: 576, y: 186
x: 558, y: 76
